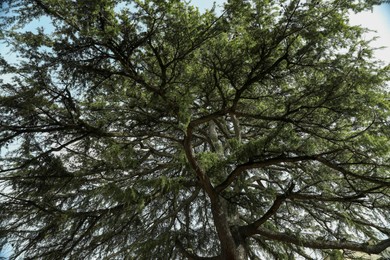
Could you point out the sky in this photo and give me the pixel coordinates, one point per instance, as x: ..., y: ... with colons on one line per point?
x: 377, y: 20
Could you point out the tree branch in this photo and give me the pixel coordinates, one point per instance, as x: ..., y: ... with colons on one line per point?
x: 353, y: 198
x: 346, y: 172
x: 250, y: 229
x: 324, y: 244
x: 260, y: 164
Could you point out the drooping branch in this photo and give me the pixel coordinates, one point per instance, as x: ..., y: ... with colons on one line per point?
x: 43, y: 154
x: 323, y: 244
x: 357, y: 219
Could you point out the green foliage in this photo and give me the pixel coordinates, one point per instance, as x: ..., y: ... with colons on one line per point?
x: 207, y: 160
x: 149, y: 130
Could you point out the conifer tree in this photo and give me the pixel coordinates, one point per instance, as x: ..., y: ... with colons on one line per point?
x: 146, y: 129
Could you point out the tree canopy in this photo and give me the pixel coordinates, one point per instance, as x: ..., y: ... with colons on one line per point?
x: 151, y: 130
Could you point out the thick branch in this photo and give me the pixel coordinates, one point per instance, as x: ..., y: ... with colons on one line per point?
x: 324, y: 244
x: 353, y: 198
x: 260, y: 164
x: 262, y: 117
x: 236, y: 125
x: 200, y: 174
x: 346, y: 172
x: 250, y: 229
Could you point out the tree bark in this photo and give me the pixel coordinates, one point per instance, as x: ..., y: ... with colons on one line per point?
x: 219, y: 212
x: 225, y: 235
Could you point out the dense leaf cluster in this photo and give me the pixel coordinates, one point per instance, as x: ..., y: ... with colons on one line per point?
x: 149, y: 130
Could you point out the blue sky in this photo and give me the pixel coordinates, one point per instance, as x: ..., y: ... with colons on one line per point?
x: 378, y: 20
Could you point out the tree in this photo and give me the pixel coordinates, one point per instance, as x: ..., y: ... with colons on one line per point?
x: 149, y: 130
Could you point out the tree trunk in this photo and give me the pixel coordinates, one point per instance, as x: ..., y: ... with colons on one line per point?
x: 232, y: 243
